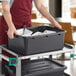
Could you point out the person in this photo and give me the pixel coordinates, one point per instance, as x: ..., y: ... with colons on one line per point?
x: 17, y: 14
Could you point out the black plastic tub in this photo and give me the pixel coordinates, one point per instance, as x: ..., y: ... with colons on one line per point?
x: 42, y: 67
x: 38, y: 44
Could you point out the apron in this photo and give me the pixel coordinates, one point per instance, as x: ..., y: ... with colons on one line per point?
x: 21, y: 15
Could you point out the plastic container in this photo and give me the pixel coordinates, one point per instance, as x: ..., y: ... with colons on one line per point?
x: 38, y: 44
x: 42, y: 67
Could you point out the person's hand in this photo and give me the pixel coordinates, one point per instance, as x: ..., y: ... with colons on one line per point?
x: 56, y: 24
x: 11, y: 32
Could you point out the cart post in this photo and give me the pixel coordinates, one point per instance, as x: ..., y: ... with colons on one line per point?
x: 18, y: 68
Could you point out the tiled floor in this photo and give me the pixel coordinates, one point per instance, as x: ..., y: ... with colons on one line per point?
x: 71, y: 66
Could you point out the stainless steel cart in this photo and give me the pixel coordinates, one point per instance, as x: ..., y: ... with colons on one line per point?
x: 19, y: 57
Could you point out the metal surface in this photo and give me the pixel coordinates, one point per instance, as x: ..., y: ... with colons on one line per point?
x: 18, y: 66
x: 7, y: 50
x: 4, y: 57
x: 64, y: 50
x: 2, y: 75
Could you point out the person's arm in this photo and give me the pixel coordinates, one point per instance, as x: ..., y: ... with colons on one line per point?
x: 8, y: 18
x: 42, y: 9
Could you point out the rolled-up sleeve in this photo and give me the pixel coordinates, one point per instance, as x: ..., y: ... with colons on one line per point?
x: 4, y: 0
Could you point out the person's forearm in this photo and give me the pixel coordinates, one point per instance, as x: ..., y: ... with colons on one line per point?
x: 7, y: 14
x: 46, y: 14
x: 8, y: 19
x: 42, y: 9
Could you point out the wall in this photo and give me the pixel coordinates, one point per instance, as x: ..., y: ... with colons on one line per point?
x: 46, y: 4
x: 55, y: 7
x: 66, y: 8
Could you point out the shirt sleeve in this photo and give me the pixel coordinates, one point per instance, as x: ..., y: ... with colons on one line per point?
x: 35, y: 0
x: 4, y: 0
